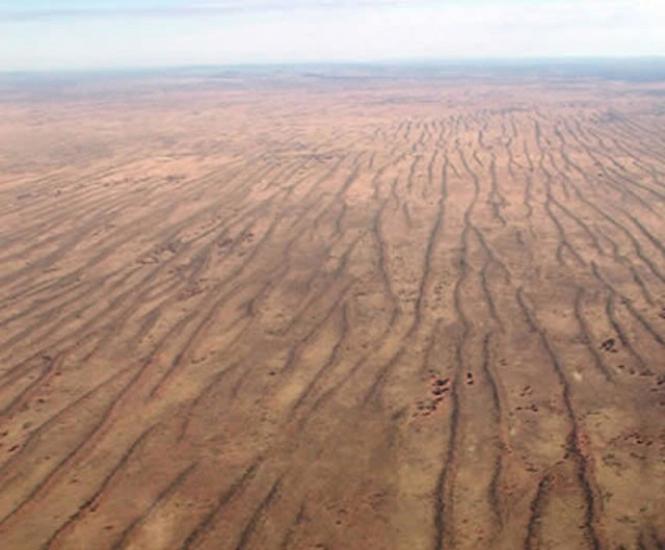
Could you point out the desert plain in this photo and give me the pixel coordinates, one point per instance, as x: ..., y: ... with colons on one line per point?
x: 332, y: 309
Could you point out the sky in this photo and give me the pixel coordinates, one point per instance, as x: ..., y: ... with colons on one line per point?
x: 84, y: 34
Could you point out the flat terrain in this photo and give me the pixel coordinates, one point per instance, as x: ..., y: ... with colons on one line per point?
x: 298, y: 310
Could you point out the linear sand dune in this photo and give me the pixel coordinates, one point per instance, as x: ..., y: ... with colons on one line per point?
x: 309, y: 313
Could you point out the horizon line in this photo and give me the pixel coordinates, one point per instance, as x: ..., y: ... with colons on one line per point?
x: 387, y: 62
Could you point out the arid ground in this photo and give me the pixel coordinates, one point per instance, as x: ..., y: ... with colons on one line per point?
x: 299, y: 310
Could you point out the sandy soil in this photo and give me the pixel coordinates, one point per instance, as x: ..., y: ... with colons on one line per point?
x: 332, y: 313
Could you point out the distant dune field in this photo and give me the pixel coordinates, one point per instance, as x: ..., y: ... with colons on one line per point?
x: 333, y: 310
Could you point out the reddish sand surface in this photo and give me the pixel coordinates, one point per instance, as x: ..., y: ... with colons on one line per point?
x: 313, y: 311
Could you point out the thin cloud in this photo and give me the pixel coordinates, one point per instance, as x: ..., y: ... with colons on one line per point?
x: 198, y: 9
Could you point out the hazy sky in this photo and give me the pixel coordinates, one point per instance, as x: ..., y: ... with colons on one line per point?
x: 43, y: 34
